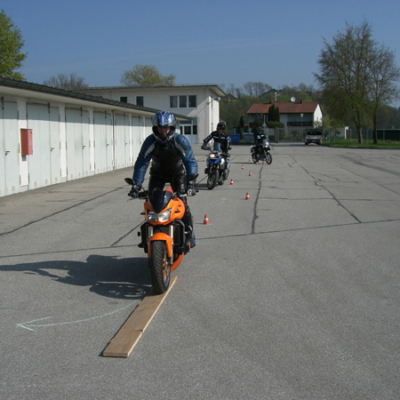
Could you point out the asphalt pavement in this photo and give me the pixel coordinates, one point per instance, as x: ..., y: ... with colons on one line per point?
x: 292, y: 294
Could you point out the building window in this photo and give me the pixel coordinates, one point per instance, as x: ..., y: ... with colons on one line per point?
x: 140, y: 101
x: 123, y: 99
x: 173, y: 101
x: 184, y: 101
x: 189, y: 128
x: 192, y: 101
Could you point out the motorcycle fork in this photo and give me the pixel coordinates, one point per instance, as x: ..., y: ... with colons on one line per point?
x: 161, y: 236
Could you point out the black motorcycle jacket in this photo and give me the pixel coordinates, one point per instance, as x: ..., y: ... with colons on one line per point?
x: 223, y: 140
x: 259, y: 138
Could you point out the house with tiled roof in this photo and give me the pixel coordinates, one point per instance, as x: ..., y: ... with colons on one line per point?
x: 293, y: 115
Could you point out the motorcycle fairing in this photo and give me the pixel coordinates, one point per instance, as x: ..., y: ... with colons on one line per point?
x: 159, y: 199
x: 214, y: 161
x: 177, y: 205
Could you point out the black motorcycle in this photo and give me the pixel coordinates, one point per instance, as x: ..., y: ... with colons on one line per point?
x: 261, y: 151
x: 217, y: 168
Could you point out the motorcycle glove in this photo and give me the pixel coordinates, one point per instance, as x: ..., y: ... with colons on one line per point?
x: 134, y: 193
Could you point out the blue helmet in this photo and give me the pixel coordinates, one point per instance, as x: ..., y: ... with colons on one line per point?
x: 164, y: 118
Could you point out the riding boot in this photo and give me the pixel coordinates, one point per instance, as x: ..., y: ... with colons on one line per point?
x: 187, y: 220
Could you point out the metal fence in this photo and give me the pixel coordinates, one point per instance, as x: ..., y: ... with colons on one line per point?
x: 331, y: 135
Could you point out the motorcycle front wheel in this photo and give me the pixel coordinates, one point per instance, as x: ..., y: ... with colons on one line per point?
x: 221, y: 178
x: 268, y: 158
x: 212, y: 179
x: 160, y: 269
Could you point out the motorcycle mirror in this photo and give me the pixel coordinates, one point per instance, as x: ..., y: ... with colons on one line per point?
x: 129, y: 181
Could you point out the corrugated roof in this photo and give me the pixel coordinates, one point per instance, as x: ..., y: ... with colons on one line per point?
x: 284, y: 108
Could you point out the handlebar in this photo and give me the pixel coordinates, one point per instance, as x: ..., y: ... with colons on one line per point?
x: 144, y: 194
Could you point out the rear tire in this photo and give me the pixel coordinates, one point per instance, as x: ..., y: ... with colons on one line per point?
x: 160, y: 269
x: 212, y: 179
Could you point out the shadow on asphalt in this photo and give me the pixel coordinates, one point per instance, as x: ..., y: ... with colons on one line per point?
x: 127, y: 278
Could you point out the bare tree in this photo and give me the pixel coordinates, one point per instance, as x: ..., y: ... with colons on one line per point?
x: 230, y: 90
x: 63, y: 81
x: 256, y: 88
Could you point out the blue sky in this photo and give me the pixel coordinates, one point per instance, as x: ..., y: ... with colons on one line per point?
x: 200, y: 42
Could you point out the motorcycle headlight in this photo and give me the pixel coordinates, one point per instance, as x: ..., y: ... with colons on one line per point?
x: 153, y: 217
x: 165, y: 215
x: 213, y: 156
x: 162, y: 217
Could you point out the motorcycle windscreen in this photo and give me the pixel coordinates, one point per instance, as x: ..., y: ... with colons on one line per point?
x: 217, y: 146
x: 159, y: 199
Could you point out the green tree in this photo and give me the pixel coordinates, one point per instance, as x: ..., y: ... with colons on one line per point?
x: 304, y: 96
x: 146, y: 75
x: 271, y: 113
x: 277, y: 115
x: 345, y: 74
x: 241, y: 122
x: 384, y: 73
x: 231, y: 111
x: 64, y: 81
x: 11, y: 43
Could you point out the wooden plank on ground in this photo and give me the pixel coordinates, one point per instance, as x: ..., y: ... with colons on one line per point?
x: 125, y: 340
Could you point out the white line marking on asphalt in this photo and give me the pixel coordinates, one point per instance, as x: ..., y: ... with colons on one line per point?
x: 27, y: 325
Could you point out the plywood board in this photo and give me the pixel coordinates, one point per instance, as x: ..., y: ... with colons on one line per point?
x: 125, y: 340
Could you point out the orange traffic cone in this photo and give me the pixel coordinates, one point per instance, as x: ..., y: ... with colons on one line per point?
x: 206, y: 220
x: 231, y: 181
x: 250, y: 173
x: 242, y: 166
x: 247, y: 196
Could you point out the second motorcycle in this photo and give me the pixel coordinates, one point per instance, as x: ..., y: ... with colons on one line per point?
x: 217, y: 167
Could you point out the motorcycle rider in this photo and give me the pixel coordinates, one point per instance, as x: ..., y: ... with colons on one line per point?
x: 259, y: 136
x: 221, y: 141
x: 259, y: 139
x: 172, y: 161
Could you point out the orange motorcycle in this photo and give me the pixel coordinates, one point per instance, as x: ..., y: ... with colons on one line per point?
x: 163, y: 234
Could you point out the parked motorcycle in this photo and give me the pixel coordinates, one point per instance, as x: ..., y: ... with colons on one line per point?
x: 261, y: 152
x: 163, y: 235
x: 217, y: 168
